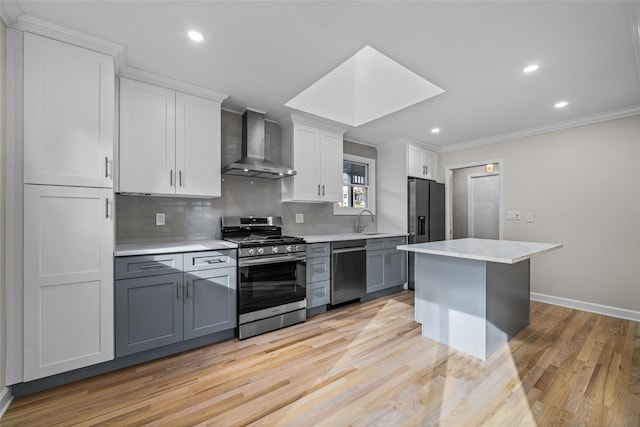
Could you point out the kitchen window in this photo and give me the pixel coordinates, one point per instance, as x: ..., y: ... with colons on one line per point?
x: 358, y: 186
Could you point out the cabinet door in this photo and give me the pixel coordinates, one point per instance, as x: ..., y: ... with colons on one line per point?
x: 210, y: 301
x: 415, y: 166
x: 68, y: 278
x: 197, y: 146
x: 375, y: 270
x: 68, y: 114
x: 147, y: 138
x: 149, y: 312
x: 331, y: 159
x: 306, y: 141
x: 430, y: 161
x: 394, y: 268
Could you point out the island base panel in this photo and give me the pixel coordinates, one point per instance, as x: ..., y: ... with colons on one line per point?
x: 470, y: 305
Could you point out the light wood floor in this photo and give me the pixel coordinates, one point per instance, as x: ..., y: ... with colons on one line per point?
x: 367, y: 364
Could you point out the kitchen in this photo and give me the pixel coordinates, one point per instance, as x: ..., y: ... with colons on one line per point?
x: 545, y: 172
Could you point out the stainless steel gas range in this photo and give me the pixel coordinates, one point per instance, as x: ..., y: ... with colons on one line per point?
x: 271, y: 274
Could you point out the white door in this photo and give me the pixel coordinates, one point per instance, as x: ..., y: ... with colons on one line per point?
x: 68, y: 278
x: 69, y: 108
x: 197, y: 146
x: 331, y: 164
x: 306, y: 162
x: 147, y: 138
x: 484, y: 206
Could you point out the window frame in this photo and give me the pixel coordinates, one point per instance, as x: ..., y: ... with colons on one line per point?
x: 371, y: 175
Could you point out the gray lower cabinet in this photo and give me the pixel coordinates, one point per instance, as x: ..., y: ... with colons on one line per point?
x: 318, y: 274
x: 385, y: 264
x: 164, y: 299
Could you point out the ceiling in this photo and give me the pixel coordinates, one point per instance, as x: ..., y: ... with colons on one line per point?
x: 263, y: 53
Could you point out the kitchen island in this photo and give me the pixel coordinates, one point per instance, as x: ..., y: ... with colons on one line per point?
x: 473, y: 294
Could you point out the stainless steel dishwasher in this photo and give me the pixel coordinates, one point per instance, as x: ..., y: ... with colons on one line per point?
x: 348, y: 271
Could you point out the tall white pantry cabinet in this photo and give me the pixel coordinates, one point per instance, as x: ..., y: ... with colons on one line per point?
x: 68, y: 128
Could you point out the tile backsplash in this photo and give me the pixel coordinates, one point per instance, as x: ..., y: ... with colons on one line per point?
x: 199, y: 219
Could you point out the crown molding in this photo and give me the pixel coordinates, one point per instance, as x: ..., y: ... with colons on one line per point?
x: 408, y: 140
x: 147, y: 77
x: 583, y: 121
x: 309, y: 120
x: 33, y: 25
x: 9, y: 11
x: 634, y: 21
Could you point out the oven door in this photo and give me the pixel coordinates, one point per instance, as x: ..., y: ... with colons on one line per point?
x: 268, y: 282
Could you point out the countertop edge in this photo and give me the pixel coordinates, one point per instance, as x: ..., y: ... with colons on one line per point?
x: 136, y: 249
x: 327, y: 238
x: 480, y: 257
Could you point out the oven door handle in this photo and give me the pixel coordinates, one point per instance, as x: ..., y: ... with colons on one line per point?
x: 245, y: 262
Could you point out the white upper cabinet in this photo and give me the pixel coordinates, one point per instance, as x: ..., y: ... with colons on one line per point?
x: 198, y: 154
x: 169, y: 142
x: 147, y: 154
x: 421, y: 163
x: 316, y: 155
x: 69, y: 113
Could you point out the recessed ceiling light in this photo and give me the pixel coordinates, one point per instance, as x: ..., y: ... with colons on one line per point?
x: 196, y: 36
x: 561, y: 104
x: 435, y: 130
x: 531, y: 68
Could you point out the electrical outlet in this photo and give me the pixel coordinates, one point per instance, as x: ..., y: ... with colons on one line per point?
x: 529, y: 216
x: 299, y: 218
x: 159, y: 218
x: 513, y: 215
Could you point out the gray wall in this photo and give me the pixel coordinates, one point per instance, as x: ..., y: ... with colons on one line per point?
x: 198, y: 219
x: 582, y: 184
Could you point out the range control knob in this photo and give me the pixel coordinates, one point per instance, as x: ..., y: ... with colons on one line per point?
x: 274, y: 250
x: 297, y: 248
x: 289, y: 248
x: 252, y: 251
x: 260, y: 251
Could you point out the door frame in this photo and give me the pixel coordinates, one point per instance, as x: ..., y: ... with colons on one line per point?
x: 448, y: 176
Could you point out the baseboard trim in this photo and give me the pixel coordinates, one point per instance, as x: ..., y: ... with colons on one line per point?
x: 621, y: 313
x: 5, y: 400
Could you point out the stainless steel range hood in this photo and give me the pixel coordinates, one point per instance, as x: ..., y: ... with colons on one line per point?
x: 253, y: 164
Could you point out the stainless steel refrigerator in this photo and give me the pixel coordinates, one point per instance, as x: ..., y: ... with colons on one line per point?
x: 426, y: 216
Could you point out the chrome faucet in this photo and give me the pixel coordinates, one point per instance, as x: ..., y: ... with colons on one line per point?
x: 359, y: 227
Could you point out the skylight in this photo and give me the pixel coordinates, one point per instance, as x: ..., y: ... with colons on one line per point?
x: 365, y: 87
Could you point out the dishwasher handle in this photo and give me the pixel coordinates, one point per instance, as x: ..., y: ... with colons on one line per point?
x: 354, y: 249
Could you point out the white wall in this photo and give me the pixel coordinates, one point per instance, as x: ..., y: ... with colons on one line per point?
x: 583, y: 186
x: 3, y: 144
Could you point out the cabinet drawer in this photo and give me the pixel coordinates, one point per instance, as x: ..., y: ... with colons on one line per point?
x: 194, y: 261
x: 148, y: 265
x: 318, y: 294
x: 393, y: 242
x: 318, y: 249
x: 318, y: 269
x: 375, y: 244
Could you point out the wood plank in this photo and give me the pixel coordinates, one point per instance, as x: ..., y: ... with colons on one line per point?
x: 367, y: 364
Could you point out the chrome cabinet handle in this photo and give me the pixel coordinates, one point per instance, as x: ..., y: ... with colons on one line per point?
x: 180, y: 177
x: 323, y: 189
x: 106, y: 167
x: 318, y: 189
x: 214, y: 261
x: 146, y: 267
x: 171, y: 178
x: 106, y: 205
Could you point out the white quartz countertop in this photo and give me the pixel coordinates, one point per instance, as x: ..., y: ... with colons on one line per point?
x: 321, y: 238
x: 503, y: 251
x: 130, y: 249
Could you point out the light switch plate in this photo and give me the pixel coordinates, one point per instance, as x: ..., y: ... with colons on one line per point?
x: 159, y: 218
x: 529, y: 216
x: 299, y: 218
x: 513, y: 215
